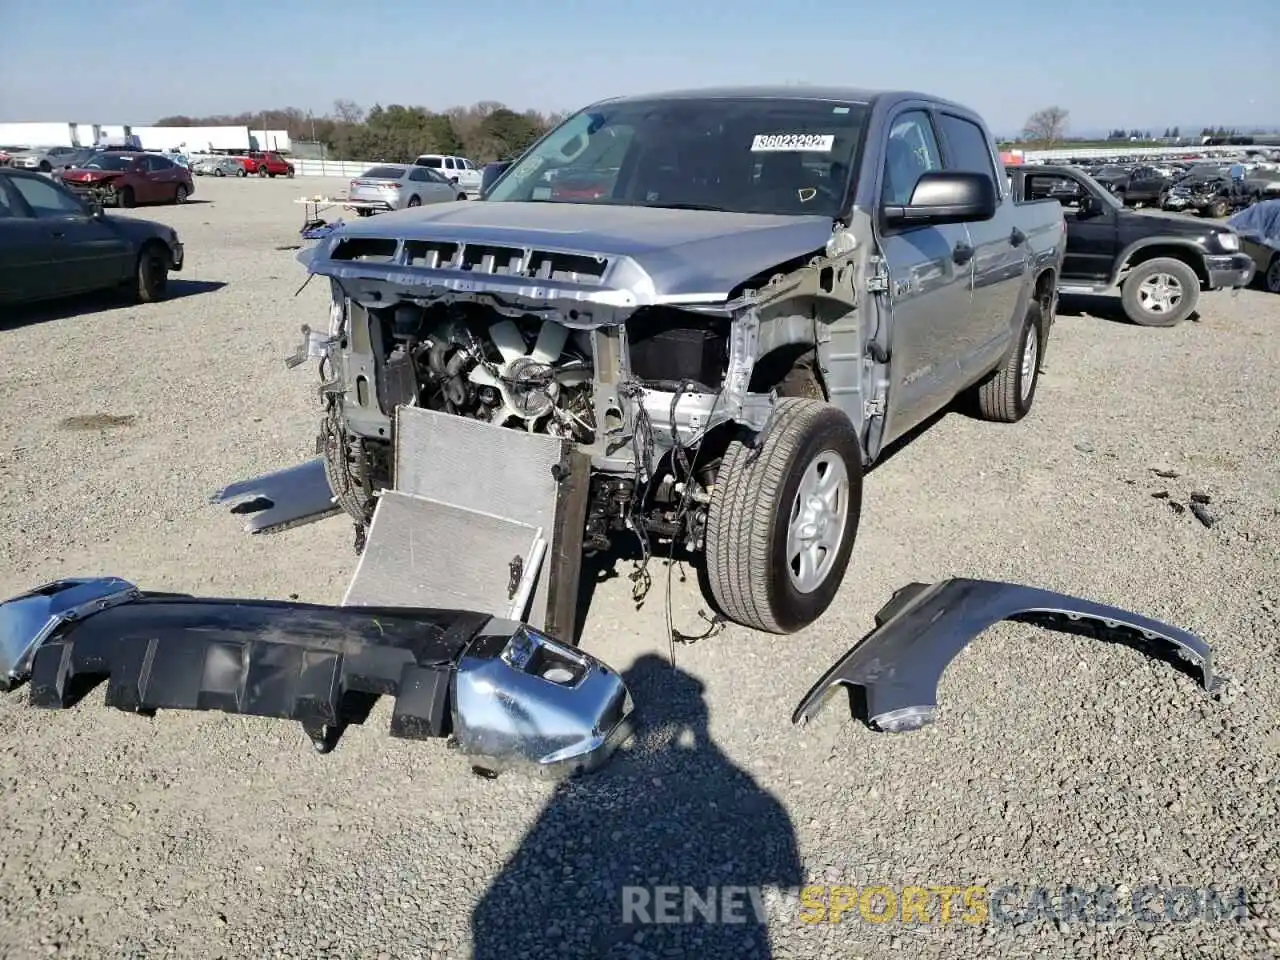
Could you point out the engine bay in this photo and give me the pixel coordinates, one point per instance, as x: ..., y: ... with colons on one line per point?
x: 468, y: 359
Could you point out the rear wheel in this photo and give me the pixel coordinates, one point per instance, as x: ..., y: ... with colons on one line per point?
x: 1007, y: 396
x: 1160, y: 293
x: 415, y: 201
x: 242, y: 172
x: 180, y: 195
x: 218, y: 172
x: 125, y: 198
x: 262, y: 171
x: 783, y: 517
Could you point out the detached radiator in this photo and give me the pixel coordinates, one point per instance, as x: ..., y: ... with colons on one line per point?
x: 480, y: 517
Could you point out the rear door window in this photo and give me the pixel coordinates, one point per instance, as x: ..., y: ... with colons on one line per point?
x: 967, y: 148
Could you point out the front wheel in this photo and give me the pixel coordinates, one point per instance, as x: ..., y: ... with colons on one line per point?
x: 262, y: 172
x: 1160, y: 293
x: 180, y: 195
x: 783, y: 518
x: 242, y: 172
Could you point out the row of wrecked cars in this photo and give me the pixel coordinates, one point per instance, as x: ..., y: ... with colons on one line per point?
x: 704, y: 358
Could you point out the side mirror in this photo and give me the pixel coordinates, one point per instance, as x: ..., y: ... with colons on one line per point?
x: 943, y: 197
x: 1089, y: 206
x: 492, y: 171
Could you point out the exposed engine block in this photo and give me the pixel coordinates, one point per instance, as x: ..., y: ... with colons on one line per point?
x: 529, y: 374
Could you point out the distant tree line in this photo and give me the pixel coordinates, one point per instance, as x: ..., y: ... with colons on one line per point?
x: 396, y: 133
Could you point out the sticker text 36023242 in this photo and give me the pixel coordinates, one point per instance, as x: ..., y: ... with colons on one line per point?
x: 789, y: 142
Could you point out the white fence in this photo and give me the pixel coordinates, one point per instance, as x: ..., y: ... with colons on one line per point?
x: 330, y: 168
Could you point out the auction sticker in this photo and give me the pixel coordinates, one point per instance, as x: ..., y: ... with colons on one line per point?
x: 786, y: 142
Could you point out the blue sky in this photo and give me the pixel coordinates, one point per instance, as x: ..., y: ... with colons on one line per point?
x: 1115, y: 63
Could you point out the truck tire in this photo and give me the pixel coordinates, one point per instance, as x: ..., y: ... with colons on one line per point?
x: 1007, y: 396
x: 1160, y: 293
x: 801, y: 484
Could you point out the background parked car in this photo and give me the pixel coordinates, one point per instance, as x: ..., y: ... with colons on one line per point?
x: 44, y: 159
x: 126, y: 179
x: 218, y: 167
x: 267, y: 163
x: 397, y: 186
x: 457, y: 170
x: 53, y: 244
x: 1259, y: 229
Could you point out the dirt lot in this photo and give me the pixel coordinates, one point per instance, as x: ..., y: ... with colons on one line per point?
x: 1057, y: 759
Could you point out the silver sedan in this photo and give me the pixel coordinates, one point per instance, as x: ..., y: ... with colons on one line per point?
x: 397, y: 186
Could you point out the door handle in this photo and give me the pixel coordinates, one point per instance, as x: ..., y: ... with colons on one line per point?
x: 962, y: 254
x: 1017, y: 238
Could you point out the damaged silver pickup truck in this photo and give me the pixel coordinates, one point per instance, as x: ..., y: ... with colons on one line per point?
x: 728, y: 302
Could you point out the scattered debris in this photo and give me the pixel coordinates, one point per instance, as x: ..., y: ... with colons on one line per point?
x: 96, y: 421
x: 1165, y: 474
x: 290, y: 246
x: 1084, y: 447
x: 1203, y: 515
x: 1197, y: 497
x: 1161, y: 495
x: 1177, y: 508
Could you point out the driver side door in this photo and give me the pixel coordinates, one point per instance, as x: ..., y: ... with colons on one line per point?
x: 930, y: 280
x: 87, y: 253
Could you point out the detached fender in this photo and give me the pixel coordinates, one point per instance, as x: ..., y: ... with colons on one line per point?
x: 896, y: 668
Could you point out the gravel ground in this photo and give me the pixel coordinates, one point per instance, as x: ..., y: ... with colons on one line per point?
x: 1056, y: 759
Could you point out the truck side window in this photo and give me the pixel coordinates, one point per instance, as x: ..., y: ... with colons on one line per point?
x: 912, y: 151
x: 967, y: 147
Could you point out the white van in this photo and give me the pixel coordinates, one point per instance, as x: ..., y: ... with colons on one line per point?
x: 458, y: 169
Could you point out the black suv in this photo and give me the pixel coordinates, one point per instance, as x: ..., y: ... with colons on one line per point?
x: 1160, y: 263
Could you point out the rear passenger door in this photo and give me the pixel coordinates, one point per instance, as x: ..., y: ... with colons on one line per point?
x: 928, y: 278
x: 1000, y: 257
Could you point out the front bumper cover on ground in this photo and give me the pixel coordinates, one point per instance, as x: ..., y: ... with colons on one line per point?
x: 893, y: 672
x: 507, y: 696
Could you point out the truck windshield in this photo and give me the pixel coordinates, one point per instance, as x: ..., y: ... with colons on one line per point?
x: 743, y: 155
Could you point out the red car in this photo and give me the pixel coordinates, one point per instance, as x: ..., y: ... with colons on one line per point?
x: 127, y: 179
x: 266, y: 164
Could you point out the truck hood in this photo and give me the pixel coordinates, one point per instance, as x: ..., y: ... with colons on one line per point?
x: 622, y: 256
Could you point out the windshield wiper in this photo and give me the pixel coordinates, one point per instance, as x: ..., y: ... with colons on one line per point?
x: 686, y: 206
